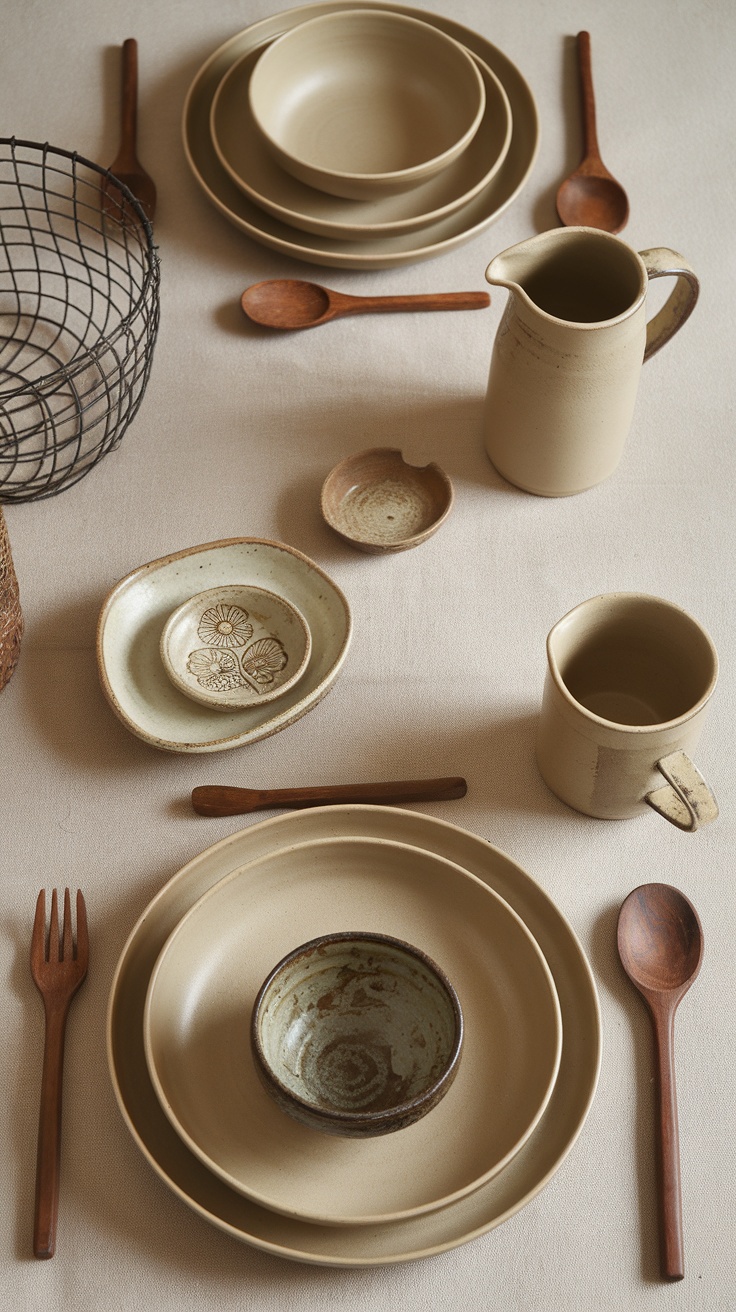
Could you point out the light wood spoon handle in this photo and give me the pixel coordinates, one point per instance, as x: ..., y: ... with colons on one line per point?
x: 219, y: 799
x: 400, y: 304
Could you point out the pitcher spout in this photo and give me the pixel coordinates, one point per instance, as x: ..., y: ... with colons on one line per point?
x: 512, y: 267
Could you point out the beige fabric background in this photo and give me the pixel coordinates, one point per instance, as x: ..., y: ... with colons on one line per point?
x: 235, y: 436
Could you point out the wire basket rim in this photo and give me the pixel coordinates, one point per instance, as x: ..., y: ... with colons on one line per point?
x: 150, y: 262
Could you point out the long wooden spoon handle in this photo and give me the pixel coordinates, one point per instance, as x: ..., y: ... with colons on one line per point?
x: 590, y: 135
x: 408, y: 304
x: 221, y: 800
x: 670, y: 1190
x: 48, y: 1160
x: 129, y: 105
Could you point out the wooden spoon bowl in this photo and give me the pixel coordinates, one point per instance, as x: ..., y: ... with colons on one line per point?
x: 591, y: 197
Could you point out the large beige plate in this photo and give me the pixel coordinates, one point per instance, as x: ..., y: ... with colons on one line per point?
x: 204, y: 984
x: 401, y: 1241
x: 133, y: 616
x: 243, y: 154
x: 382, y: 253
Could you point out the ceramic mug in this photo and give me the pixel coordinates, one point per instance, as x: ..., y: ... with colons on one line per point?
x: 629, y: 680
x: 568, y: 354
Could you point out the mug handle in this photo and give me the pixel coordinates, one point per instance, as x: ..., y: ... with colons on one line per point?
x: 686, y: 800
x: 659, y: 263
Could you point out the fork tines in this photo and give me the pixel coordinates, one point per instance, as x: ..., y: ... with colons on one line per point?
x: 69, y: 947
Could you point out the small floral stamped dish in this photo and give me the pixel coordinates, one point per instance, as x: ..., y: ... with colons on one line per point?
x: 235, y: 646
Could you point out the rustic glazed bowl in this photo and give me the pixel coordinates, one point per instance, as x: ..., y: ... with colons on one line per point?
x: 377, y: 502
x: 235, y: 646
x: 356, y: 1034
x: 365, y: 103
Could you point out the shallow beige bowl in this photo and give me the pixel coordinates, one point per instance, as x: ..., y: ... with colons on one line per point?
x: 377, y: 502
x: 244, y: 155
x: 235, y: 646
x: 361, y: 103
x: 356, y: 1034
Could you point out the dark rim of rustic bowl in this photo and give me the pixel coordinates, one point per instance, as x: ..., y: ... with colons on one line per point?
x: 349, y: 1120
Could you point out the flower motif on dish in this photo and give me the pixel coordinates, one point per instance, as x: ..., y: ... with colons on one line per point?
x: 225, y: 626
x: 216, y: 669
x: 264, y: 660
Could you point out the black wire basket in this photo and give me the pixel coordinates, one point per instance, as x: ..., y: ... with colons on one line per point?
x: 79, y: 314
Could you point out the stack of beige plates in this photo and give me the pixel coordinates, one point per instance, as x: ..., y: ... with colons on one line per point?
x: 244, y: 179
x: 179, y: 1054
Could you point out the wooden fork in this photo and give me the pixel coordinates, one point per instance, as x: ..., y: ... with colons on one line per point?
x: 58, y: 968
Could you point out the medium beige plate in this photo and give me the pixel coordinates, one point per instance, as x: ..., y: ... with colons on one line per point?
x: 133, y: 617
x: 243, y: 155
x: 402, y: 1241
x: 382, y: 253
x: 204, y: 984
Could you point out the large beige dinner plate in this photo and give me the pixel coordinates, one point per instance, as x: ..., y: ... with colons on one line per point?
x: 204, y: 984
x: 133, y: 616
x: 242, y: 153
x: 380, y: 253
x: 531, y: 1169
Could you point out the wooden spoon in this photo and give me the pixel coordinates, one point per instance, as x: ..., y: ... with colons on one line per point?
x: 292, y: 303
x: 126, y: 166
x: 660, y: 943
x: 216, y: 799
x: 591, y: 197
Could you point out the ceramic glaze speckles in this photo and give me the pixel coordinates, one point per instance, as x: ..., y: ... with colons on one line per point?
x: 568, y: 353
x: 377, y: 502
x: 357, y: 1034
x: 235, y: 646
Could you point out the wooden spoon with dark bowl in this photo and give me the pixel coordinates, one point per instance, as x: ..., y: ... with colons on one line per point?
x: 591, y: 197
x: 660, y: 943
x: 290, y: 303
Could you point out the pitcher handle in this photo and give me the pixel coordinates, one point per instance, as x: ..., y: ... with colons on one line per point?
x: 678, y: 307
x: 686, y: 800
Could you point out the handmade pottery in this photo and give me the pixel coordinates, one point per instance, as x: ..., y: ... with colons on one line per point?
x: 378, y: 502
x: 356, y: 1034
x: 628, y: 685
x: 205, y: 982
x: 568, y: 353
x: 382, y: 252
x: 502, y: 1197
x: 235, y: 645
x: 245, y: 157
x: 366, y: 102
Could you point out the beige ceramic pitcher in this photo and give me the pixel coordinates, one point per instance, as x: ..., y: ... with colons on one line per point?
x: 568, y: 354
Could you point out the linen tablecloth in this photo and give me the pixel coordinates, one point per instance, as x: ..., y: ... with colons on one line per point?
x: 236, y: 433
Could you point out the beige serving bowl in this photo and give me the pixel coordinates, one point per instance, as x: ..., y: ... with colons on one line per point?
x: 363, y: 103
x: 250, y: 164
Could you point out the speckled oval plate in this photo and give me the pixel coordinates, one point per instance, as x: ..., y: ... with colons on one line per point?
x: 133, y: 617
